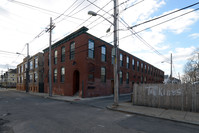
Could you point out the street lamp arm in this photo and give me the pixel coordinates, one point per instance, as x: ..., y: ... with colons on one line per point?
x: 95, y: 14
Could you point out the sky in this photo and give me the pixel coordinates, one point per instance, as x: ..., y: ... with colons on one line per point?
x: 22, y: 21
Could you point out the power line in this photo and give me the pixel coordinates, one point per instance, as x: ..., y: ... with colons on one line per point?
x: 164, y: 15
x: 66, y: 10
x: 28, y: 5
x: 130, y: 6
x: 72, y: 10
x: 168, y: 20
x: 96, y: 12
x: 142, y: 40
x: 159, y: 23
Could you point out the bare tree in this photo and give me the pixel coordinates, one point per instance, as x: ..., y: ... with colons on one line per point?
x: 191, y: 68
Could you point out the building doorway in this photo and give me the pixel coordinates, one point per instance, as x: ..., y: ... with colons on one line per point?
x: 76, y: 82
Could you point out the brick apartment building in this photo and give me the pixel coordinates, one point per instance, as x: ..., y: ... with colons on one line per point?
x: 36, y: 83
x: 82, y: 64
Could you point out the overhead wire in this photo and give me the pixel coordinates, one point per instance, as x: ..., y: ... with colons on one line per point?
x: 165, y: 15
x: 28, y: 5
x: 72, y: 10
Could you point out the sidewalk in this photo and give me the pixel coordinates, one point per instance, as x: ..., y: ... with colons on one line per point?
x: 173, y: 115
x: 63, y: 98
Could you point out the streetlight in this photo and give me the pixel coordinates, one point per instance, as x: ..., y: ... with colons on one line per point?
x: 171, y: 62
x: 115, y: 40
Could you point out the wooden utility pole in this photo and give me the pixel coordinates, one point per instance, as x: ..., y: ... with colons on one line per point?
x: 115, y: 38
x: 50, y: 67
x: 27, y: 70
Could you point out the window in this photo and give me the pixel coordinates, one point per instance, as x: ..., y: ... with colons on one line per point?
x: 35, y: 77
x: 62, y: 54
x: 22, y: 68
x: 138, y: 66
x: 133, y: 64
x: 31, y: 64
x: 121, y: 60
x: 30, y: 76
x: 145, y: 68
x: 19, y: 69
x: 127, y: 62
x: 55, y: 75
x: 121, y: 77
x: 55, y: 57
x: 142, y: 67
x: 36, y: 62
x: 112, y: 55
x: 72, y: 50
x: 103, y: 53
x: 148, y: 69
x: 62, y: 74
x: 91, y: 46
x: 103, y: 74
x: 127, y: 78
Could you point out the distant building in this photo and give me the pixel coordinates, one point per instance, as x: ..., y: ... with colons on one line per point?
x: 36, y: 83
x: 9, y: 79
x: 82, y: 64
x: 168, y: 80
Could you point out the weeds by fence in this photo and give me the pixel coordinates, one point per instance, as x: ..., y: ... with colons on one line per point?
x: 170, y: 96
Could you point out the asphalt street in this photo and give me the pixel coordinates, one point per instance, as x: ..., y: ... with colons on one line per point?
x: 25, y: 113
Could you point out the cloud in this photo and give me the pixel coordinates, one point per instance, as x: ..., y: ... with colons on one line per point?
x: 194, y: 35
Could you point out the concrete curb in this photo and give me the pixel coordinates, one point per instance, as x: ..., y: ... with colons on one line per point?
x: 148, y: 115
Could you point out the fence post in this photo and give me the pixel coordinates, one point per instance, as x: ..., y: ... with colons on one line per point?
x: 135, y: 94
x: 182, y: 94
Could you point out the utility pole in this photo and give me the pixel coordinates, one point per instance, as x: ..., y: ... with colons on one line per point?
x: 171, y: 68
x: 50, y: 67
x: 27, y: 70
x: 115, y: 38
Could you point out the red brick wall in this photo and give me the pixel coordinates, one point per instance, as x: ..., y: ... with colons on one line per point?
x: 87, y: 66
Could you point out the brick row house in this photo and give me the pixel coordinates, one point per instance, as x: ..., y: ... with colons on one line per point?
x: 82, y: 64
x: 36, y: 81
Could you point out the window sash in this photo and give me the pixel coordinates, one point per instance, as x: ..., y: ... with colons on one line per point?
x: 91, y: 49
x: 103, y: 74
x: 72, y: 50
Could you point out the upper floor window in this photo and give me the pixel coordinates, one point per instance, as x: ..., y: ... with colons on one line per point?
x: 103, y: 74
x: 138, y: 66
x: 142, y: 67
x: 62, y: 54
x: 22, y: 68
x: 55, y: 57
x: 19, y: 69
x: 31, y: 64
x: 127, y: 62
x: 133, y: 64
x: 148, y: 70
x: 62, y: 74
x: 121, y: 60
x: 91, y: 46
x: 55, y: 75
x: 145, y: 68
x: 112, y: 56
x: 26, y: 65
x: 72, y: 50
x: 36, y: 62
x: 103, y: 53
